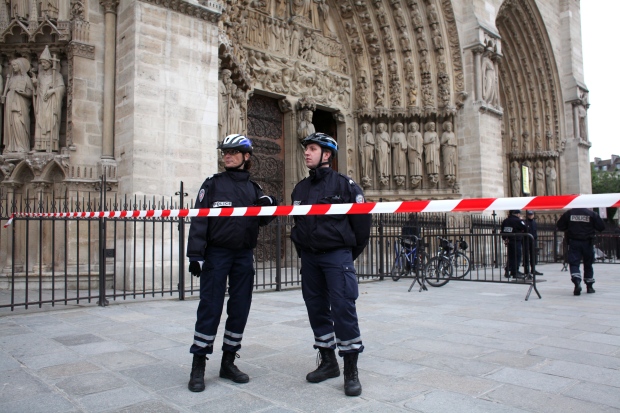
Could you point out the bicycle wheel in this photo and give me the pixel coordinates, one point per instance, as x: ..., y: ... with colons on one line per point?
x: 423, y: 261
x: 461, y: 264
x: 399, y: 268
x: 438, y: 271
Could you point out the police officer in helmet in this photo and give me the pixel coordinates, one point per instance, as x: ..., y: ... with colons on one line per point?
x: 328, y: 244
x: 219, y: 249
x: 513, y: 224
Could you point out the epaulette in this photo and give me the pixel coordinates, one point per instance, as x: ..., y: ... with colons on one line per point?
x: 351, y: 181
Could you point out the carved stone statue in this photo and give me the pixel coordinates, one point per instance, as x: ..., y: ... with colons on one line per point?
x: 50, y: 90
x: 304, y: 129
x: 552, y: 177
x: 383, y: 153
x: 399, y: 154
x: 415, y: 145
x: 431, y: 152
x: 515, y: 177
x: 583, y: 128
x: 539, y: 176
x: 17, y: 99
x: 489, y: 82
x: 367, y: 154
x: 530, y: 176
x: 224, y: 91
x: 235, y: 116
x: 20, y: 9
x: 448, y: 151
x: 49, y: 8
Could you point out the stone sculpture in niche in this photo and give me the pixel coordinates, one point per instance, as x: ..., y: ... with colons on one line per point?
x: 50, y: 90
x: 383, y: 153
x: 20, y: 9
x: 539, y: 176
x: 17, y: 99
x: 304, y: 129
x: 552, y: 177
x: 448, y: 151
x: 431, y: 152
x: 415, y: 145
x: 515, y: 176
x: 399, y: 154
x: 367, y: 154
x: 224, y: 90
x: 489, y: 82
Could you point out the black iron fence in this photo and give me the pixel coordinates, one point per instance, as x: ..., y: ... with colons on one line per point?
x: 46, y: 261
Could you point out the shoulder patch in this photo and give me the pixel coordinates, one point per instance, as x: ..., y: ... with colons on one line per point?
x: 359, y: 199
x: 351, y: 181
x: 201, y: 195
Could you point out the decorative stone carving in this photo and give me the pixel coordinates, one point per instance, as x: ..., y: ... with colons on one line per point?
x: 539, y: 176
x: 431, y: 152
x: 383, y: 153
x: 415, y: 145
x: 449, y: 154
x: 367, y: 154
x: 17, y: 100
x: 552, y: 177
x: 530, y: 176
x: 489, y: 82
x: 515, y: 177
x: 50, y: 91
x: 399, y: 154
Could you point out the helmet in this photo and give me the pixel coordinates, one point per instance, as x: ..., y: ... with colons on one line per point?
x: 529, y: 212
x: 236, y: 141
x: 515, y: 211
x: 321, y: 139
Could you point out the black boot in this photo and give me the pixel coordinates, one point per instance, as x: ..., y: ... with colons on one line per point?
x: 577, y: 290
x: 228, y: 370
x: 197, y: 376
x: 328, y: 366
x: 590, y: 288
x: 352, y: 385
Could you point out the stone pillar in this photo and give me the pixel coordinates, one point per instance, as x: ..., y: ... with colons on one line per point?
x: 477, y: 51
x: 109, y: 64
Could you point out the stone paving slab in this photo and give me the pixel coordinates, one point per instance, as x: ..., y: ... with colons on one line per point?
x: 464, y: 347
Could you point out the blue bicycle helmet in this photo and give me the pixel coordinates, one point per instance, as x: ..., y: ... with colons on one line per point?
x: 323, y: 140
x: 236, y: 141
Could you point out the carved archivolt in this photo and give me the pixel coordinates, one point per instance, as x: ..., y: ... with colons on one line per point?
x: 530, y: 97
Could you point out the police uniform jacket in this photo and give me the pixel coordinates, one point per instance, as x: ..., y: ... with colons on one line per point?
x: 532, y: 227
x: 513, y: 225
x: 226, y: 189
x: 322, y: 233
x: 580, y: 223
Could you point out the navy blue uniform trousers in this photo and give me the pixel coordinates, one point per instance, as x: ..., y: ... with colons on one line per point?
x: 578, y: 249
x: 329, y: 288
x: 220, y: 264
x: 514, y: 255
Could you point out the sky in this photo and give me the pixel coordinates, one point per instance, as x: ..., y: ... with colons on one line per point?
x: 600, y: 30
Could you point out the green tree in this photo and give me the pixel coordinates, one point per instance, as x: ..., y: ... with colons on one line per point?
x: 605, y: 182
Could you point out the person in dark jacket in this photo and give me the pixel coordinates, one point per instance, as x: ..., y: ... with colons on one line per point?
x: 221, y: 248
x: 328, y: 244
x: 580, y: 225
x: 513, y: 225
x: 529, y: 247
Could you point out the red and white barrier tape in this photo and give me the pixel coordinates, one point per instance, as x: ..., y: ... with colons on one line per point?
x: 449, y: 205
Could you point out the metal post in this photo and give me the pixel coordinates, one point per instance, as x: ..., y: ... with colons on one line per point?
x: 102, y: 243
x: 278, y: 258
x: 381, y: 249
x: 181, y: 285
x: 495, y: 241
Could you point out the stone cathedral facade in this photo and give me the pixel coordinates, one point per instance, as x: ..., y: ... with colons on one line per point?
x: 438, y: 99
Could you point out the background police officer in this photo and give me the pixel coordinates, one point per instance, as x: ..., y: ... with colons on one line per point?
x: 222, y: 247
x: 328, y: 245
x: 529, y: 245
x: 513, y: 225
x: 580, y: 224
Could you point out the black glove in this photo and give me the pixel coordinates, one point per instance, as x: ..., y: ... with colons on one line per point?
x: 194, y: 268
x: 266, y: 200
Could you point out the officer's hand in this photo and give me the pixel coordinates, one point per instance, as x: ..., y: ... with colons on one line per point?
x: 266, y: 200
x: 195, y: 268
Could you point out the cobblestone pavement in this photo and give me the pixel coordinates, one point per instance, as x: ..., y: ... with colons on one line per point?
x: 464, y: 347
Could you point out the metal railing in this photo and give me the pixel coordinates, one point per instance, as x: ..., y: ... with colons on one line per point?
x: 46, y: 261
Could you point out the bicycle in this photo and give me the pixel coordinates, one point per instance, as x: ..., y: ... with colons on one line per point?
x: 448, y: 263
x: 408, y: 251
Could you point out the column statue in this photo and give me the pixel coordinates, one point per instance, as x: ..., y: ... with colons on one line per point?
x: 367, y: 154
x: 539, y: 177
x: 552, y: 177
x: 304, y: 129
x: 383, y: 153
x: 448, y: 151
x: 515, y: 176
x: 17, y: 99
x: 399, y: 154
x: 50, y: 90
x: 431, y: 152
x: 415, y: 145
